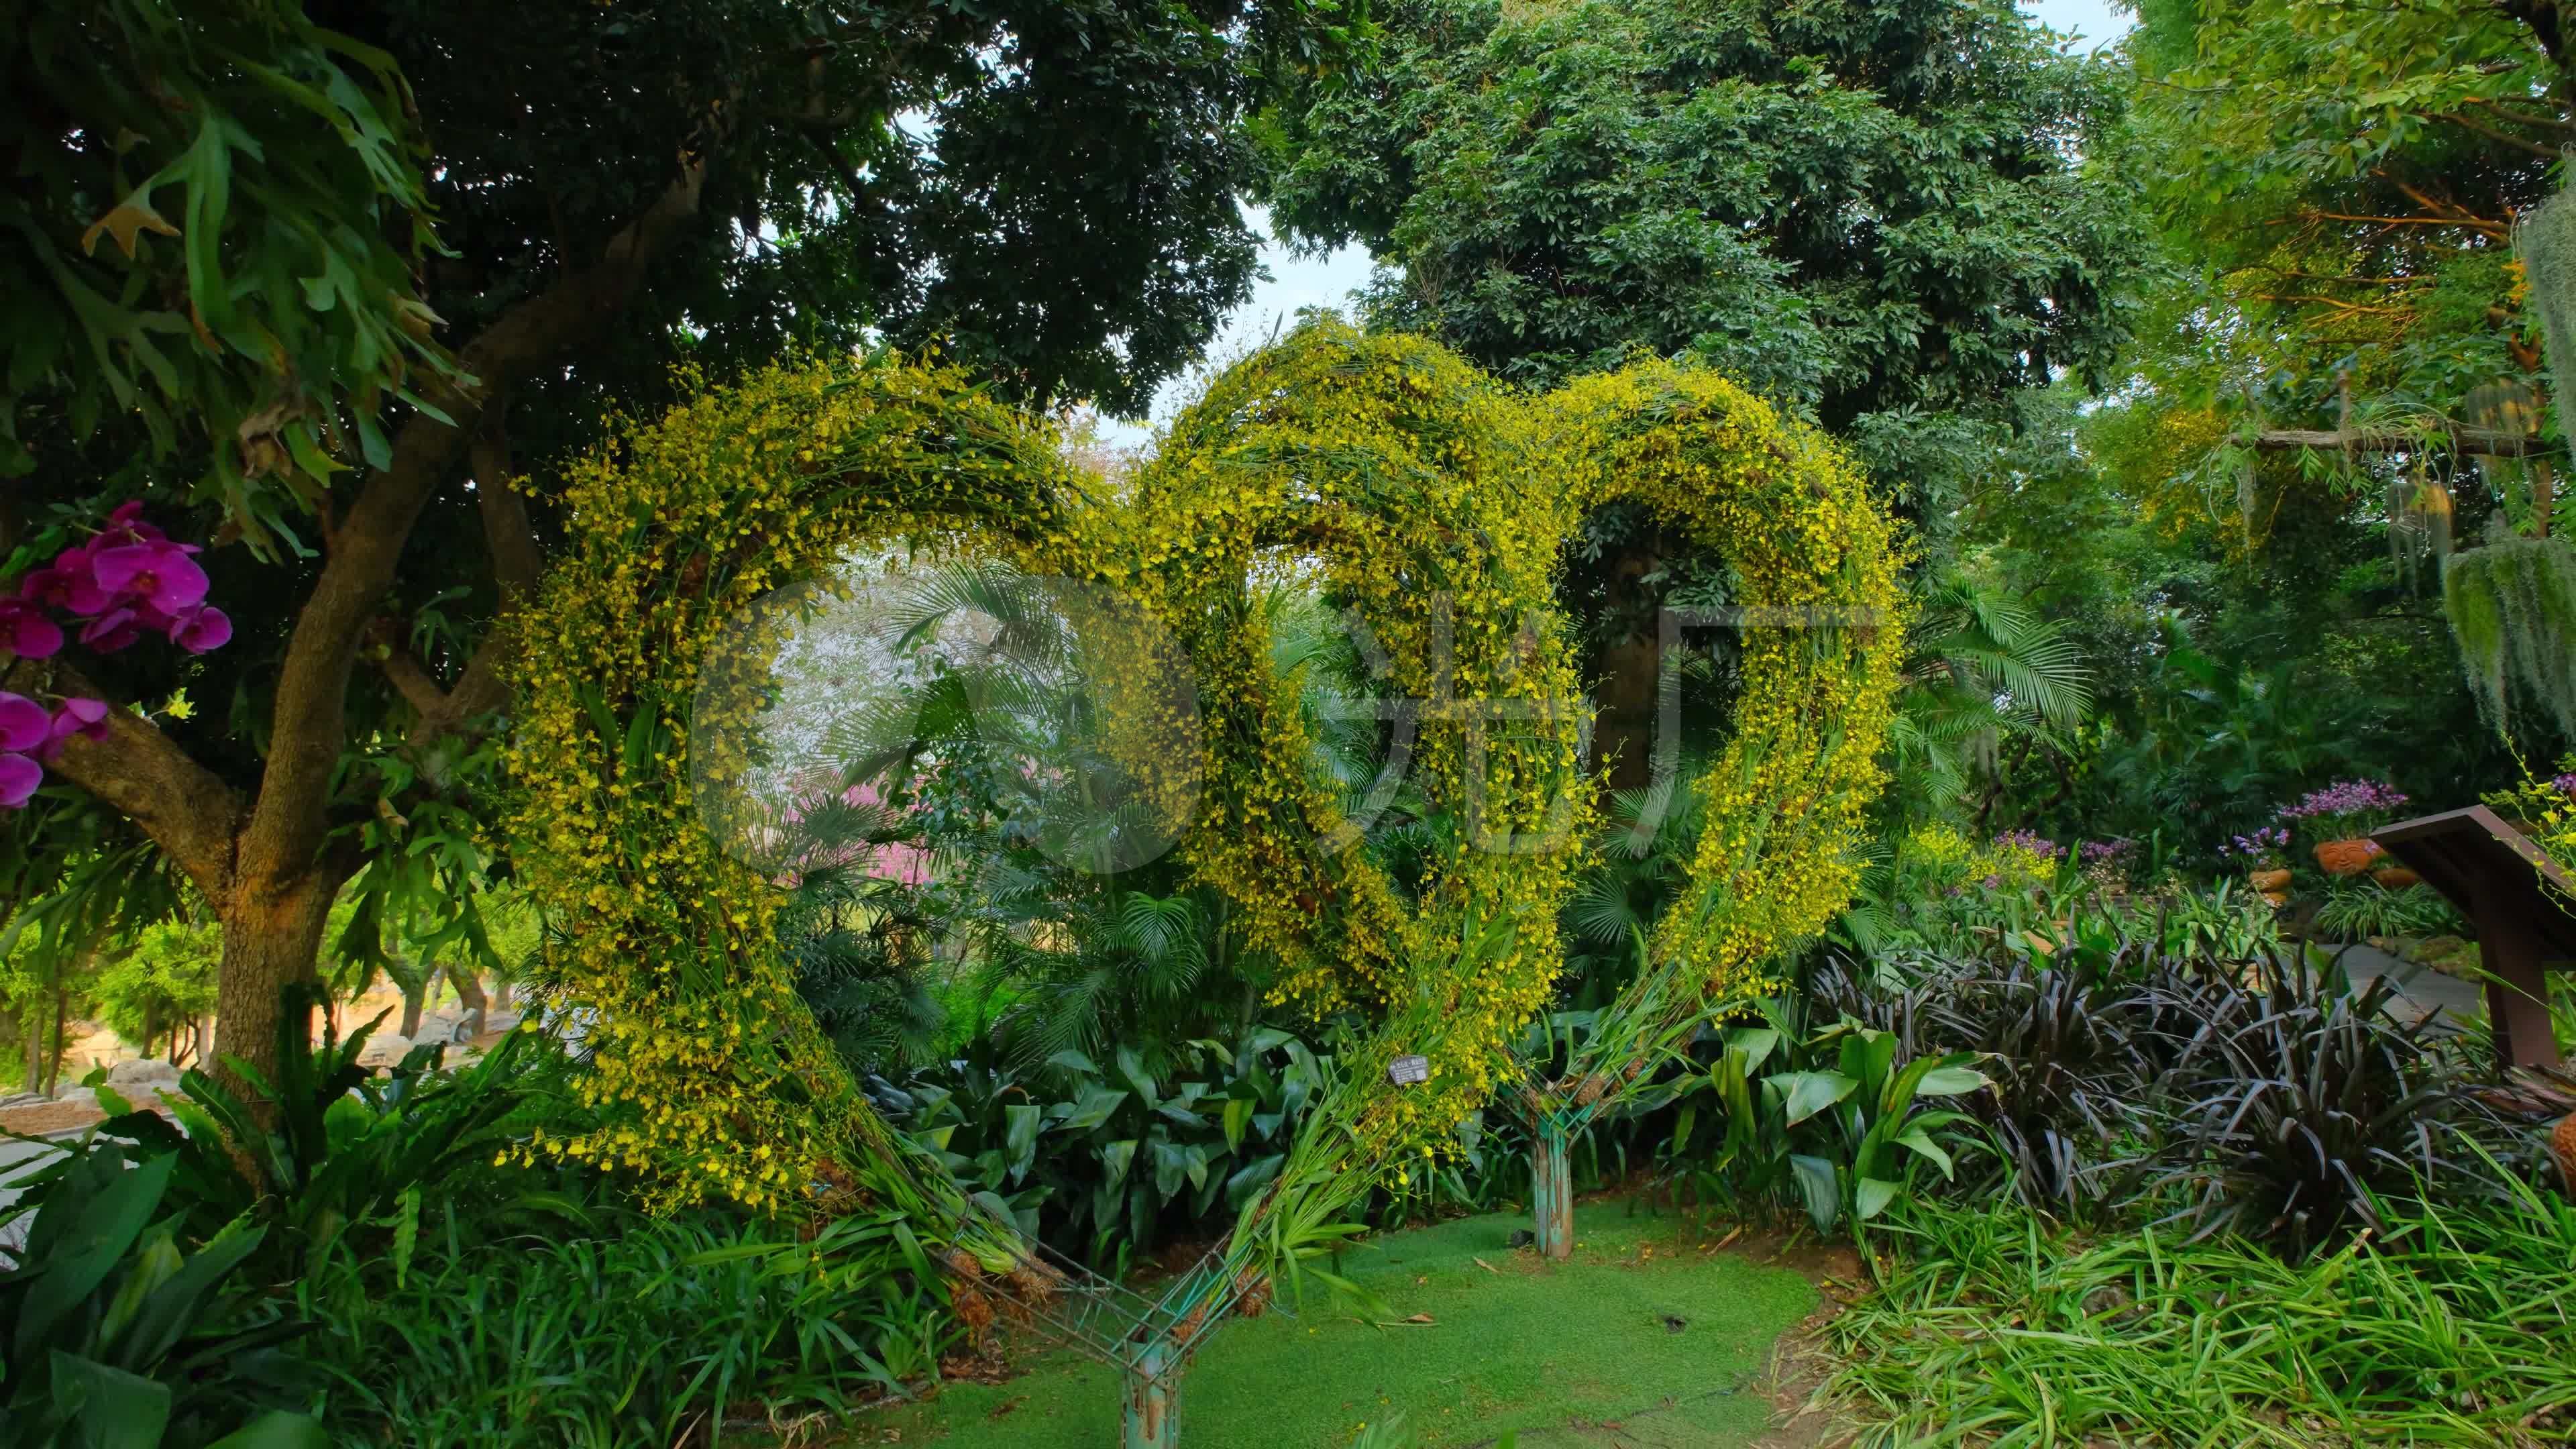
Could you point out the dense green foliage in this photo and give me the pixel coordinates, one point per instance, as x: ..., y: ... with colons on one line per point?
x: 2220, y: 377
x: 1868, y: 211
x: 118, y: 1324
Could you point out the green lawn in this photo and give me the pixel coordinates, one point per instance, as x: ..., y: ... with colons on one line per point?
x: 1643, y: 1339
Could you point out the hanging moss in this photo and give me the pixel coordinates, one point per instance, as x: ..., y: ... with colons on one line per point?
x: 2546, y: 242
x: 2513, y: 611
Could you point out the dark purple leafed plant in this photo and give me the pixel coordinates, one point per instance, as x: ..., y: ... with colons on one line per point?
x: 127, y: 580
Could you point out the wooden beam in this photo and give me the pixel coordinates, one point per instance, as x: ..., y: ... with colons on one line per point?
x: 2483, y: 441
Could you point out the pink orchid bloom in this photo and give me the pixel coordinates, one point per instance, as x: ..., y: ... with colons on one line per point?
x: 201, y: 629
x: 67, y: 585
x: 86, y: 718
x: 24, y: 724
x: 162, y: 574
x: 19, y: 777
x: 26, y: 632
x: 112, y: 631
x: 126, y: 524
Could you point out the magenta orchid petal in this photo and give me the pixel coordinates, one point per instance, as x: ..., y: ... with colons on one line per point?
x: 19, y: 778
x: 155, y: 572
x: 126, y: 524
x: 27, y: 633
x: 202, y: 629
x: 70, y: 589
x: 111, y: 631
x: 84, y: 717
x: 24, y: 724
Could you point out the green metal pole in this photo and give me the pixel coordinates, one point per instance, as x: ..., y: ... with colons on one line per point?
x: 1552, y: 1187
x: 1153, y: 1410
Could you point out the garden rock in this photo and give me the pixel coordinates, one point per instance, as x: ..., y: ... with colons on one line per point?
x: 386, y: 1050
x: 143, y: 1072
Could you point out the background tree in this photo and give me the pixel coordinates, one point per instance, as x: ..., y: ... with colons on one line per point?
x: 1879, y: 215
x: 1047, y: 187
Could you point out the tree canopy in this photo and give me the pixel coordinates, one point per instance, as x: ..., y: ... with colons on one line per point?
x: 1875, y: 213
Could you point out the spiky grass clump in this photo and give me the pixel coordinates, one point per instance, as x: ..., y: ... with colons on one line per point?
x: 2450, y: 1327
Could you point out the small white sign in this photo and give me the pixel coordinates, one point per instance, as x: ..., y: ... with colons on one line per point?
x: 1409, y: 1071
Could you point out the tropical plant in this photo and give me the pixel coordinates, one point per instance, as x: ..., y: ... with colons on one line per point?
x: 2344, y: 808
x: 1836, y: 1130
x: 349, y: 1156
x: 118, y: 1335
x: 1109, y: 1160
x: 1981, y: 667
x: 2072, y: 1057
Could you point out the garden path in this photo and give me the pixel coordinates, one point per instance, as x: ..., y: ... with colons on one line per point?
x: 2420, y: 989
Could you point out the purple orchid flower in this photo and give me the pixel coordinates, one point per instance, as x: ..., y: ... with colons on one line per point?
x: 67, y: 584
x: 19, y: 779
x: 26, y: 632
x: 86, y: 718
x: 201, y: 629
x: 24, y: 724
x: 160, y: 574
x: 116, y: 629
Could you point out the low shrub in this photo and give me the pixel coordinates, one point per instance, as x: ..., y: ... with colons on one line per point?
x: 346, y: 1154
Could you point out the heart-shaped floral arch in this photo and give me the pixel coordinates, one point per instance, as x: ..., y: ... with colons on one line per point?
x: 1427, y: 500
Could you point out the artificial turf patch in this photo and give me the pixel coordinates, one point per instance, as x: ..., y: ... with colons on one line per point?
x: 1643, y: 1339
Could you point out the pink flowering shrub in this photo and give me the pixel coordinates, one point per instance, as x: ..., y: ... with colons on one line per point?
x: 2344, y: 809
x: 129, y: 579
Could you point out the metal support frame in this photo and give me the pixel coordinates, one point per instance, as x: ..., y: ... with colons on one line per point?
x: 1149, y: 1341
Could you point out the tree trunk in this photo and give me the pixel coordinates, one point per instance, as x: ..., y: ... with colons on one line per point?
x: 1552, y: 1189
x: 1630, y: 691
x: 415, y: 996
x: 271, y: 939
x: 469, y: 995
x: 34, y: 1027
x: 54, y: 1073
x: 151, y: 1028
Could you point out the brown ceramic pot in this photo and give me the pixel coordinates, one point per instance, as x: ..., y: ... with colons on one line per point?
x: 2345, y: 857
x: 2395, y: 877
x: 2269, y: 882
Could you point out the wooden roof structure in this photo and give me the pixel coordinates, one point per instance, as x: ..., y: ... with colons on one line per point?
x: 2513, y: 894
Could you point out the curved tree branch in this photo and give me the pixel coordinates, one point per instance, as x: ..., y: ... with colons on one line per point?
x: 180, y: 805
x: 289, y: 823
